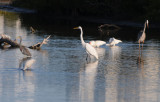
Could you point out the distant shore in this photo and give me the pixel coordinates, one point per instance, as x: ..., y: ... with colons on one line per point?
x: 9, y: 8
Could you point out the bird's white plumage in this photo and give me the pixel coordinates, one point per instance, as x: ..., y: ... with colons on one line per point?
x: 113, y: 41
x: 29, y: 63
x: 91, y: 50
x: 97, y: 43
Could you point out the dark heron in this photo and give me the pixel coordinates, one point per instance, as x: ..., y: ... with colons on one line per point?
x: 23, y: 49
x: 142, y: 35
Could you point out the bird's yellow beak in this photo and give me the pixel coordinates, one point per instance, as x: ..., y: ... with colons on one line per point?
x: 75, y: 28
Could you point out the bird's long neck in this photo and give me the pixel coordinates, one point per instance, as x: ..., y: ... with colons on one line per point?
x: 144, y: 26
x: 81, y: 36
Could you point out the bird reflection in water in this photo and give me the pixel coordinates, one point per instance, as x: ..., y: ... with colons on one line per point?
x: 115, y: 52
x: 26, y: 63
x: 87, y: 82
x: 140, y: 64
x: 140, y: 61
x: 101, y: 52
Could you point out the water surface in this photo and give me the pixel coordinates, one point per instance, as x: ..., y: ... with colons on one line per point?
x: 62, y: 74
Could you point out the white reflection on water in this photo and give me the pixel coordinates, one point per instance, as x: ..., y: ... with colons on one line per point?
x: 87, y: 82
x: 111, y: 78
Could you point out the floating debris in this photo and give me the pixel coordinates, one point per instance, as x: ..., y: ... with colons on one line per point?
x: 39, y: 44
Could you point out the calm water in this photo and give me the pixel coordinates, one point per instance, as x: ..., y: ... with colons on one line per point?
x: 61, y: 73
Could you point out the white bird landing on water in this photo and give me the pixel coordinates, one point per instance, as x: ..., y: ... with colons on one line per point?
x: 97, y: 43
x: 27, y: 63
x: 113, y: 41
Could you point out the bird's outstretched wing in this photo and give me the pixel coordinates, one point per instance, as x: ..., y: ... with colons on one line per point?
x: 113, y: 41
x: 117, y: 41
x: 100, y: 43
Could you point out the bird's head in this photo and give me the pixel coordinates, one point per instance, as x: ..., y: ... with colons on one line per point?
x: 147, y: 23
x: 79, y: 27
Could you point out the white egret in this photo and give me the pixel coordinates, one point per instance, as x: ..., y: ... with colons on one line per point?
x: 89, y: 49
x: 28, y: 64
x: 113, y: 41
x: 97, y: 43
x: 142, y: 35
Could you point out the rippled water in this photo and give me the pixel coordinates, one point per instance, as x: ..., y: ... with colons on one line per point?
x: 62, y: 74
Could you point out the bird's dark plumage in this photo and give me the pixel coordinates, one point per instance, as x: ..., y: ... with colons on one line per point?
x: 23, y: 49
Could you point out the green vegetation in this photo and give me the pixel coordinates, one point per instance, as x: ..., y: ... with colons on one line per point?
x: 117, y: 9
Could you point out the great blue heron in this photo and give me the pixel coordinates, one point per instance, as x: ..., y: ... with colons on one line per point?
x: 23, y: 49
x: 97, y: 43
x: 113, y: 41
x: 142, y: 35
x: 89, y: 49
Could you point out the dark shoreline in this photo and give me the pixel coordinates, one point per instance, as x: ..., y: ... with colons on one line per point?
x: 90, y: 19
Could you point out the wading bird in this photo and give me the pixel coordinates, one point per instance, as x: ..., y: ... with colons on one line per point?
x: 23, y: 49
x: 113, y: 41
x: 97, y: 43
x: 89, y: 49
x: 142, y: 35
x: 26, y: 63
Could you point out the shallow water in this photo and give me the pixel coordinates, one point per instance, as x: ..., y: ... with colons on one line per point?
x: 62, y: 74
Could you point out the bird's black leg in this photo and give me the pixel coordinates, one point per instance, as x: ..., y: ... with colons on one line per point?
x: 142, y: 45
x: 87, y: 57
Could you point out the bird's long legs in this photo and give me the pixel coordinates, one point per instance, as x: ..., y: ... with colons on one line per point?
x: 142, y: 45
x: 139, y: 47
x: 88, y: 57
